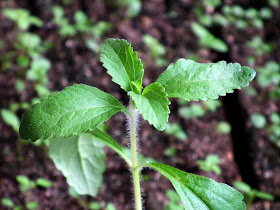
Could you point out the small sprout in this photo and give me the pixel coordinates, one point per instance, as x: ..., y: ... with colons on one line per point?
x: 82, y: 22
x: 110, y: 206
x: 38, y: 69
x: 250, y: 194
x: 269, y: 74
x: 212, y: 105
x: 258, y: 120
x: 10, y: 118
x: 22, y: 18
x: 251, y: 13
x: 22, y: 61
x: 274, y: 133
x: 100, y: 28
x: 41, y: 182
x: 32, y: 205
x: 258, y: 46
x: 273, y: 3
x: 274, y: 118
x: 133, y: 7
x: 223, y: 127
x: 94, y: 205
x: 238, y: 11
x: 170, y: 151
x: 210, y: 164
x: 156, y: 50
x: 19, y: 85
x: 193, y: 111
x: 206, y: 39
x: 175, y: 129
x: 24, y: 183
x: 275, y: 93
x: 266, y: 13
x: 42, y: 90
x: 7, y: 202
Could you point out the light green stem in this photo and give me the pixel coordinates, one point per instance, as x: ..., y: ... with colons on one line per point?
x: 132, y: 120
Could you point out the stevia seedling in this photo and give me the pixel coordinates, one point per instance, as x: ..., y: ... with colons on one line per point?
x: 66, y: 115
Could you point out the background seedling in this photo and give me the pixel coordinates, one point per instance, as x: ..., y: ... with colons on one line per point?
x: 7, y: 202
x: 175, y: 130
x: 22, y: 18
x: 210, y: 164
x: 258, y: 120
x: 156, y: 50
x: 250, y: 194
x: 223, y: 127
x: 66, y: 115
x: 206, y: 39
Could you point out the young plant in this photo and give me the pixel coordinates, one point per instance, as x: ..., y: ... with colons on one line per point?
x: 156, y: 50
x: 250, y: 194
x: 274, y: 130
x: 223, y: 127
x: 210, y: 163
x: 66, y: 115
x: 8, y: 203
x: 175, y: 130
x: 22, y: 18
x: 269, y: 75
x: 258, y: 120
x: 192, y: 111
x: 206, y: 39
x: 259, y: 47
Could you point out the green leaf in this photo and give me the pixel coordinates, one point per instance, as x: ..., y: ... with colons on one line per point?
x: 7, y: 202
x: 197, y: 192
x: 41, y: 182
x: 190, y: 80
x: 206, y: 39
x: 81, y: 160
x: 70, y: 112
x: 108, y: 141
x: 122, y: 64
x: 10, y: 119
x: 264, y: 195
x: 153, y: 105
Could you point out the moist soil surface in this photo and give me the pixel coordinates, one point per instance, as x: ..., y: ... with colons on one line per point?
x: 246, y: 153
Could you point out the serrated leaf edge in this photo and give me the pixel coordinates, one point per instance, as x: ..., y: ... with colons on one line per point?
x: 134, y: 54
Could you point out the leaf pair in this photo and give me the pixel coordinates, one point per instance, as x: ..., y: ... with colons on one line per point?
x: 185, y: 79
x: 79, y: 108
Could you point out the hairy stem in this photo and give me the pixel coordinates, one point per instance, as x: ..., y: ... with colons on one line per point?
x: 132, y: 120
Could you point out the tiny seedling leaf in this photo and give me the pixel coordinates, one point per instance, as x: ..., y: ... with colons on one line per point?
x: 122, y: 64
x: 81, y: 160
x: 70, y: 112
x: 153, y: 105
x: 207, y: 39
x: 197, y: 192
x: 190, y: 80
x: 10, y: 119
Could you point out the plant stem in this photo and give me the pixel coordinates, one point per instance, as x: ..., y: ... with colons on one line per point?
x: 132, y: 120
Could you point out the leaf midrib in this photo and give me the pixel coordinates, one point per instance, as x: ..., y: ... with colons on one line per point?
x: 180, y: 183
x: 123, y: 67
x: 76, y: 110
